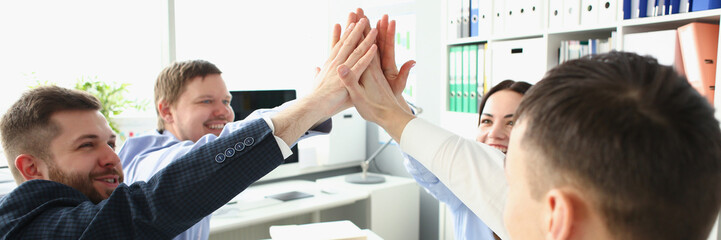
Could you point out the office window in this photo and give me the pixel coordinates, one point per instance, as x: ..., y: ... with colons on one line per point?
x: 61, y: 41
x: 257, y: 44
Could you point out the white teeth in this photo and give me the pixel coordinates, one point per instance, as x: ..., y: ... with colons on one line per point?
x: 216, y: 126
x: 110, y: 180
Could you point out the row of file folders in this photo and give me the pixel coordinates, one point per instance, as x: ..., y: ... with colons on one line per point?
x: 651, y: 8
x: 466, y: 77
x: 481, y: 18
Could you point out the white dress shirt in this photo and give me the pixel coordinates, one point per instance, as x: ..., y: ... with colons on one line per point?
x: 472, y: 171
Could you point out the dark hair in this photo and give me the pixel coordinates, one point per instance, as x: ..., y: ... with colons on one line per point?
x: 519, y: 87
x: 636, y: 135
x: 172, y: 80
x: 26, y: 126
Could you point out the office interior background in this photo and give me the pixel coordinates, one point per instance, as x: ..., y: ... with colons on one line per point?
x: 262, y: 45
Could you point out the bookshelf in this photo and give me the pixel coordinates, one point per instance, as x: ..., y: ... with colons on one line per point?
x: 464, y: 124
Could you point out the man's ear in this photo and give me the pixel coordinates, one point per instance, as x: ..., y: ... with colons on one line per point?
x: 560, y: 209
x: 30, y: 167
x: 164, y: 111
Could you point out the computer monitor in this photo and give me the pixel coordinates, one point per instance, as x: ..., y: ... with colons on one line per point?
x: 245, y: 102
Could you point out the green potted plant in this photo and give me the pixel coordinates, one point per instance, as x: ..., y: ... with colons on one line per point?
x: 111, y: 96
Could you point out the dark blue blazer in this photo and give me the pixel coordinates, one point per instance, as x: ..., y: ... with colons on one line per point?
x: 172, y: 201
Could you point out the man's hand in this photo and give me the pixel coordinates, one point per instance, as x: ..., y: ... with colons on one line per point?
x: 330, y: 96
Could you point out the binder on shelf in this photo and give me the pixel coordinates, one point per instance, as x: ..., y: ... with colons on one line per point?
x: 482, y: 74
x: 684, y: 6
x: 654, y: 8
x: 499, y: 17
x: 534, y: 14
x: 514, y: 17
x: 485, y: 18
x: 451, y: 98
x: 465, y: 18
x: 512, y: 10
x: 662, y: 45
x: 589, y: 12
x: 555, y: 14
x: 642, y: 8
x: 627, y: 6
x: 675, y: 6
x: 459, y: 79
x: 474, y: 17
x: 453, y: 23
x: 664, y: 7
x: 487, y: 65
x: 607, y: 10
x: 636, y: 8
x: 473, y: 81
x: 700, y: 5
x: 699, y: 46
x: 466, y: 79
x: 571, y: 14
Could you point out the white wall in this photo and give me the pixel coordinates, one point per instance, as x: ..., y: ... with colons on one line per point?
x: 257, y: 44
x: 428, y: 73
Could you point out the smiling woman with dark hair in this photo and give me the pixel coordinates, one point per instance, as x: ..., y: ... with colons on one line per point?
x: 495, y: 120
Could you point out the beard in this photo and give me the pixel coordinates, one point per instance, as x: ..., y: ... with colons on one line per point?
x: 84, y: 184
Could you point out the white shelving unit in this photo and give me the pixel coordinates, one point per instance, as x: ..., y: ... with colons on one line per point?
x: 464, y: 123
x: 551, y: 39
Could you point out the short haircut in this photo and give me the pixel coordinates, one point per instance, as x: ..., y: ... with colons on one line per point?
x: 633, y: 134
x: 519, y: 87
x: 26, y: 127
x: 172, y: 81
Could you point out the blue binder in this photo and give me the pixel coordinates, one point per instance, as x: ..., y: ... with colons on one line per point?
x: 700, y: 5
x: 675, y: 6
x: 642, y: 8
x: 474, y: 17
x: 627, y: 9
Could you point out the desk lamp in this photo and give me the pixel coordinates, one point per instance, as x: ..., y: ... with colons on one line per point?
x: 363, y: 177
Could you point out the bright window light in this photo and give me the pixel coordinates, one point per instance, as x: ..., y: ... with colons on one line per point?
x: 61, y: 41
x: 257, y: 44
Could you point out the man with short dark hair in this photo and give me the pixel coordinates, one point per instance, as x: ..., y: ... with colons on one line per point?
x: 614, y: 146
x: 70, y: 177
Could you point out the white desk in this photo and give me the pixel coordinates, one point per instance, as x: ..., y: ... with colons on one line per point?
x: 388, y: 209
x: 231, y: 220
x: 392, y: 207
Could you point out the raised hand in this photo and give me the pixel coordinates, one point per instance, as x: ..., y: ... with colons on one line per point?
x: 349, y: 52
x: 329, y: 96
x: 386, y: 43
x: 374, y: 99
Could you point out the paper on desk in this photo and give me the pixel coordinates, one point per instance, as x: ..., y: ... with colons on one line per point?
x: 338, y: 230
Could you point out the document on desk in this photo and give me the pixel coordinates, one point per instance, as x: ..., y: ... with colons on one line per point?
x: 337, y: 230
x: 236, y: 206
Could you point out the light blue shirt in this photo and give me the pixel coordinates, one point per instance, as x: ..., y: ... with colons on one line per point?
x: 145, y: 155
x: 466, y: 224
